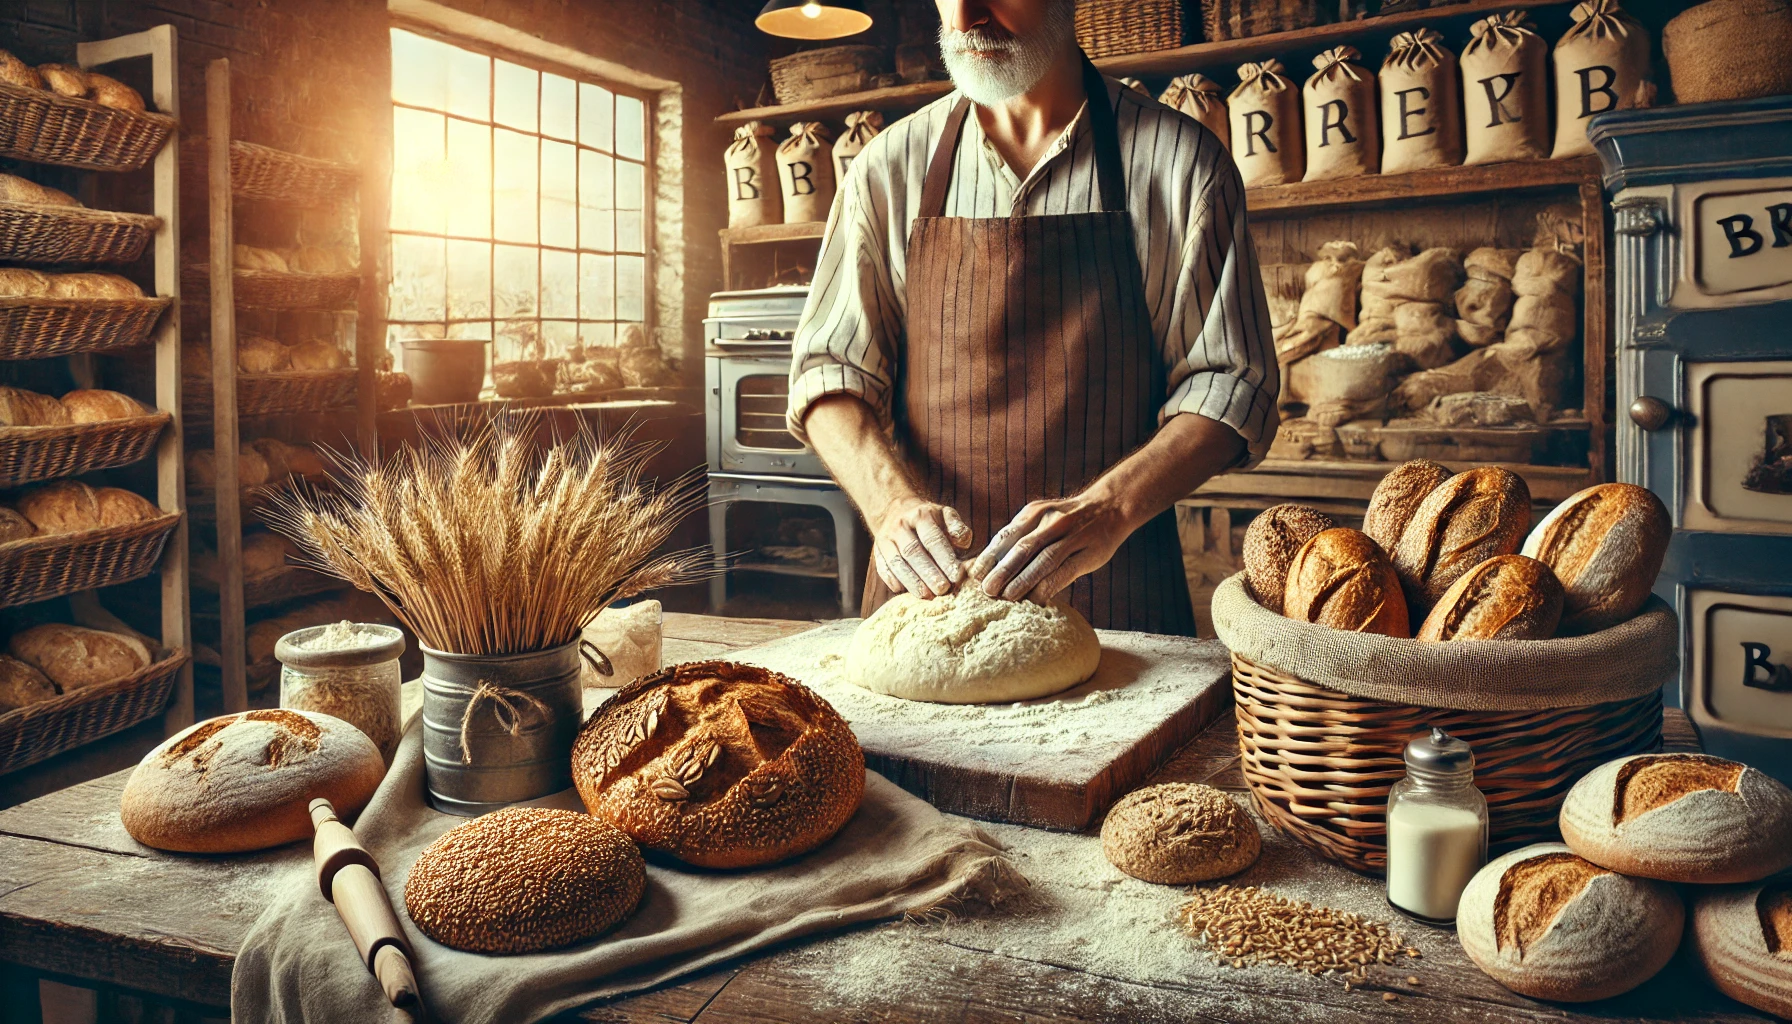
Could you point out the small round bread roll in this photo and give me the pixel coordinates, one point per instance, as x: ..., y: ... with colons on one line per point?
x: 1507, y: 597
x: 1270, y: 543
x: 21, y: 408
x: 1743, y: 936
x: 245, y: 781
x: 90, y: 405
x: 258, y: 354
x: 318, y: 355
x: 14, y: 189
x: 21, y: 684
x: 1344, y: 580
x: 110, y: 92
x: 1606, y: 545
x: 14, y: 526
x: 1681, y: 818
x: 118, y: 506
x: 74, y: 656
x: 1398, y: 496
x: 14, y: 71
x: 1463, y: 522
x: 20, y: 283
x: 524, y: 880
x: 1178, y: 834
x: 65, y: 506
x: 64, y: 80
x: 1547, y: 924
x: 719, y: 764
x: 109, y: 287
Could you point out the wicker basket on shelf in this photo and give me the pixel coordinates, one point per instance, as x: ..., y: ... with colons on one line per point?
x: 44, y: 453
x: 271, y: 289
x: 1319, y: 761
x: 34, y: 233
x: 38, y: 568
x: 1108, y: 28
x: 287, y: 583
x: 1238, y: 19
x: 40, y: 126
x: 266, y: 394
x: 41, y: 328
x: 259, y: 172
x: 47, y: 728
x: 828, y: 71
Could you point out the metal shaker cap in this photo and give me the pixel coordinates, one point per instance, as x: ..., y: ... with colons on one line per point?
x: 1440, y: 753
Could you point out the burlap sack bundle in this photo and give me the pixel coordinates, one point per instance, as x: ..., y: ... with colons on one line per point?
x: 1546, y: 280
x: 1601, y: 63
x: 1513, y: 367
x: 1283, y: 285
x: 1327, y: 303
x: 1426, y: 333
x: 861, y: 127
x: 1200, y: 98
x: 1375, y: 318
x: 1348, y: 383
x: 1505, y: 98
x: 1420, y: 290
x: 1338, y: 105
x: 1431, y: 276
x: 1730, y: 50
x: 1484, y: 302
x: 1264, y: 112
x: 1421, y: 106
x: 806, y: 173
x: 1625, y: 662
x: 752, y: 162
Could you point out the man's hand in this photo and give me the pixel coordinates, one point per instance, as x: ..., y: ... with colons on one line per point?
x: 916, y: 547
x: 1048, y: 545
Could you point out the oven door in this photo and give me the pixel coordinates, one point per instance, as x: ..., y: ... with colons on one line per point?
x: 751, y: 435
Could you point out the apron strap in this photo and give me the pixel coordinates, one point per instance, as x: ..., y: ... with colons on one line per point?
x: 1109, y: 172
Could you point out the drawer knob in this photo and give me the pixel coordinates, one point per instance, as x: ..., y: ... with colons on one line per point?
x: 1650, y: 413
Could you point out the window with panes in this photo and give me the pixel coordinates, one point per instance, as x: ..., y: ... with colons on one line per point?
x: 520, y: 205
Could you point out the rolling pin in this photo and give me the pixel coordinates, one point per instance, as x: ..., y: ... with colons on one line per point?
x: 350, y: 879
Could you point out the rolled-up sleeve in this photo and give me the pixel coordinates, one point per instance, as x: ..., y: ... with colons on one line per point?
x: 1219, y: 349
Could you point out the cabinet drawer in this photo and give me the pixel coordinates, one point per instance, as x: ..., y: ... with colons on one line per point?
x: 1741, y: 648
x: 1739, y: 442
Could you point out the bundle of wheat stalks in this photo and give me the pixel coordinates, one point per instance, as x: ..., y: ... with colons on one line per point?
x: 495, y: 544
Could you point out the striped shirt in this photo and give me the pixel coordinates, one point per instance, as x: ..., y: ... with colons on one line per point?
x: 1202, y: 286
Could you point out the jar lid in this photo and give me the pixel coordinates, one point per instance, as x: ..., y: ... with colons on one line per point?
x: 1440, y: 752
x: 373, y: 644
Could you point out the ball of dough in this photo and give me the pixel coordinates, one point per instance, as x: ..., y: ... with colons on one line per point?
x: 970, y: 648
x: 1178, y: 834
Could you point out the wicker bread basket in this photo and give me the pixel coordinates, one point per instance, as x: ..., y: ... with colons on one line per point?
x: 1107, y: 28
x: 1730, y: 50
x: 829, y: 71
x: 35, y: 233
x: 1240, y: 19
x: 271, y: 289
x: 258, y: 172
x: 44, y: 453
x: 287, y: 583
x: 47, y: 728
x: 267, y: 394
x: 41, y: 328
x: 1319, y: 761
x: 39, y: 568
x: 40, y: 126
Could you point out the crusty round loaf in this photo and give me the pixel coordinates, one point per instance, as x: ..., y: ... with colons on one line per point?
x: 1398, y: 496
x: 1270, y: 543
x: 1743, y: 936
x: 64, y: 506
x: 14, y: 71
x: 21, y: 408
x: 75, y: 656
x: 719, y: 764
x: 1507, y: 597
x: 1177, y: 833
x: 1681, y: 818
x: 14, y: 526
x: 118, y: 506
x: 524, y: 880
x: 110, y: 92
x: 21, y: 684
x: 1344, y: 580
x: 64, y: 80
x: 1606, y: 545
x: 251, y: 468
x: 91, y: 405
x: 1547, y: 924
x: 244, y: 781
x: 1463, y: 522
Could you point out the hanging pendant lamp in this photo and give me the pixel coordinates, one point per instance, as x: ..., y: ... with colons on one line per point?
x: 813, y: 19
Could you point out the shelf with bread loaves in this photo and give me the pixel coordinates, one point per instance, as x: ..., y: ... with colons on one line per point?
x: 73, y: 319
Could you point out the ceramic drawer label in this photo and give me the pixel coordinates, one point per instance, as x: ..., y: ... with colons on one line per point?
x: 1744, y: 240
x: 1742, y: 661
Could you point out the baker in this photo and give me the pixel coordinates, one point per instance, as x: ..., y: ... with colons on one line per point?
x: 1037, y: 321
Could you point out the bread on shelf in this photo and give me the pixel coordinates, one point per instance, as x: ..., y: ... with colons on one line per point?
x: 14, y: 525
x: 93, y: 286
x: 23, y: 283
x: 64, y: 80
x: 64, y: 506
x: 318, y: 355
x: 21, y: 684
x: 110, y: 92
x: 250, y: 257
x: 90, y: 405
x: 119, y: 507
x: 21, y: 408
x: 317, y: 259
x: 14, y: 189
x: 257, y: 353
x: 251, y: 468
x: 14, y: 71
x: 73, y: 657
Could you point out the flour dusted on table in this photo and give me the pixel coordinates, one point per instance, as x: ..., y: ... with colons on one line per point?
x: 806, y: 173
x: 1338, y: 105
x: 1200, y: 98
x: 1601, y: 63
x: 752, y: 163
x: 1421, y: 118
x: 1505, y: 97
x: 1264, y: 112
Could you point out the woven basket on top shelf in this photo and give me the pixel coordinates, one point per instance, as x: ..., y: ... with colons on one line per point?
x: 1108, y: 28
x: 41, y: 328
x: 44, y: 453
x: 1238, y: 19
x: 38, y: 568
x: 287, y: 583
x: 40, y: 126
x: 272, y: 289
x: 259, y: 172
x: 47, y: 728
x: 267, y: 394
x: 34, y: 233
x: 828, y: 71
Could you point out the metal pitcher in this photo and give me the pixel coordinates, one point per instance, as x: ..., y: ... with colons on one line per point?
x: 498, y: 729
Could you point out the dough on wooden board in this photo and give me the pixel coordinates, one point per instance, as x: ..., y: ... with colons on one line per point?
x: 970, y: 648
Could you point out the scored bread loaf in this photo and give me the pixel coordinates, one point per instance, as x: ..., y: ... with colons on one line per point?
x: 21, y: 408
x: 1398, y: 496
x: 118, y: 506
x: 1743, y: 936
x: 75, y: 656
x: 64, y: 80
x: 317, y: 355
x: 109, y: 287
x: 20, y: 283
x: 14, y: 189
x: 243, y: 781
x: 1548, y: 924
x: 14, y: 526
x: 1269, y: 546
x: 1507, y: 597
x: 21, y: 684
x: 1681, y: 818
x: 90, y: 405
x: 65, y: 506
x: 1463, y: 522
x: 251, y: 469
x: 1606, y: 545
x: 1344, y: 580
x: 110, y: 92
x: 14, y: 71
x: 249, y: 257
x: 1176, y: 833
x: 719, y: 764
x: 258, y: 354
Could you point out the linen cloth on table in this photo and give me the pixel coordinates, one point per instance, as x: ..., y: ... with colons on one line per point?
x: 898, y: 855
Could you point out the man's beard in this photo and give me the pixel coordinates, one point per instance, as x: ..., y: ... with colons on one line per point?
x: 991, y: 67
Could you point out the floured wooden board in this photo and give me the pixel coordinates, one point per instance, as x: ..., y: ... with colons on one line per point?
x: 1057, y: 762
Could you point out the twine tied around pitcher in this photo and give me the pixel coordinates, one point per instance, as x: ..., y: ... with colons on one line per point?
x: 503, y: 701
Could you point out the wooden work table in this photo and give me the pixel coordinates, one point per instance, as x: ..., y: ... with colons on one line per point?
x: 80, y: 902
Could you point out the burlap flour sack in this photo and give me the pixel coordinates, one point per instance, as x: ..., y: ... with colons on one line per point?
x: 806, y: 173
x: 1546, y: 280
x: 1421, y: 108
x: 1505, y: 97
x: 1602, y: 63
x: 1327, y: 303
x: 1200, y: 98
x: 1484, y: 302
x: 752, y: 162
x: 1264, y: 112
x: 1338, y: 105
x: 861, y: 128
x: 1375, y: 318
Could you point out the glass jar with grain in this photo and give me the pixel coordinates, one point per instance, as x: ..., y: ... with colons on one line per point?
x: 348, y: 670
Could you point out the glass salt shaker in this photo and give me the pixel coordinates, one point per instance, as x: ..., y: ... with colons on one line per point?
x: 348, y: 670
x: 1437, y: 828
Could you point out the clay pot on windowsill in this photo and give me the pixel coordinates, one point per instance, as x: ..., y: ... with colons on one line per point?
x: 445, y: 370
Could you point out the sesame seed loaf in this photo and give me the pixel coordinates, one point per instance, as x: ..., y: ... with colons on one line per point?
x: 1681, y: 818
x: 243, y: 781
x: 1270, y: 543
x: 523, y: 880
x: 1548, y: 924
x: 1743, y: 936
x: 721, y: 765
x: 1398, y: 496
x: 1344, y: 580
x: 1177, y: 833
x: 1606, y: 545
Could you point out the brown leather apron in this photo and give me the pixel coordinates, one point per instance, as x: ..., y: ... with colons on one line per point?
x: 1030, y: 368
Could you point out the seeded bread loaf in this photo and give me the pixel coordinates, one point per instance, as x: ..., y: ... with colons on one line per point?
x: 1743, y: 936
x: 21, y: 408
x: 1344, y: 580
x: 1269, y: 546
x: 74, y: 657
x: 88, y: 405
x: 243, y: 781
x: 21, y: 684
x: 1178, y: 834
x: 14, y: 189
x: 1507, y: 597
x: 1463, y: 522
x: 1547, y: 924
x: 1606, y: 545
x: 721, y: 765
x: 1398, y: 496
x: 524, y: 880
x: 14, y: 526
x: 65, y: 506
x: 1681, y: 818
x: 118, y: 506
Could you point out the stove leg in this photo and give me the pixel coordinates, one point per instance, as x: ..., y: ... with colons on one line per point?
x: 718, y: 550
x: 846, y: 552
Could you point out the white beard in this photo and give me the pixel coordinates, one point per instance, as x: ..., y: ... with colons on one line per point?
x: 1002, y: 68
